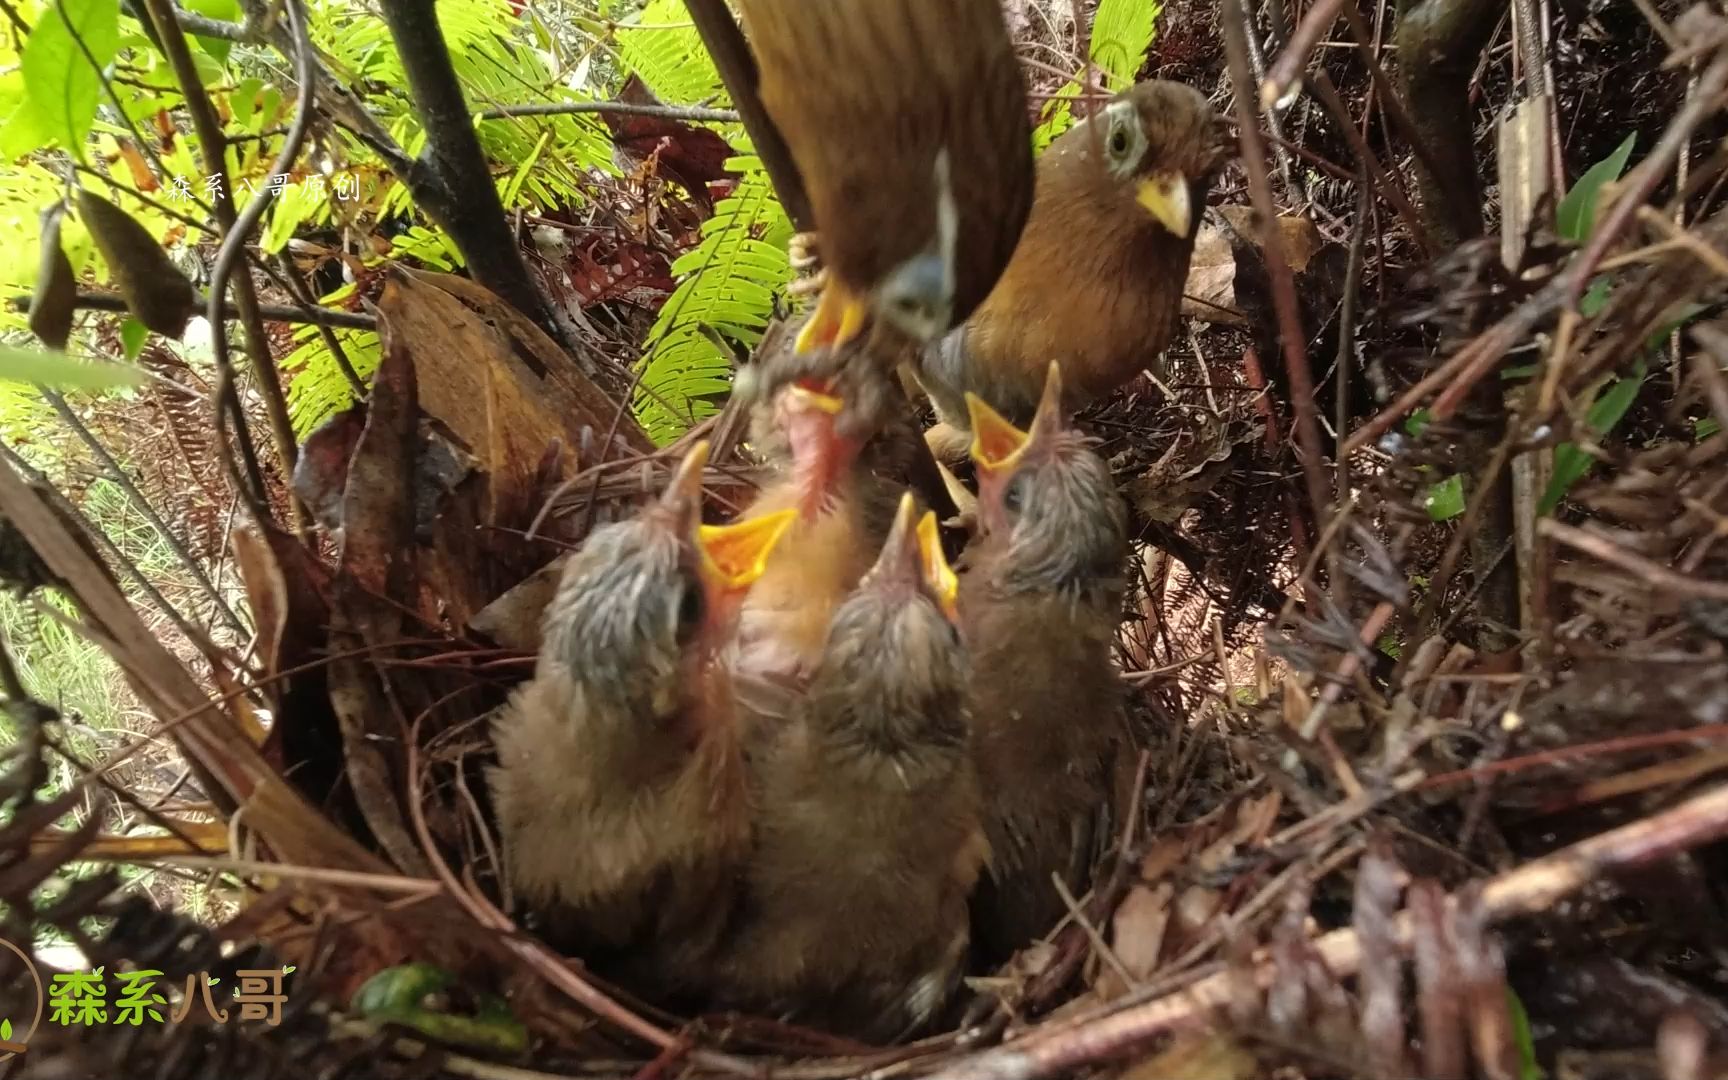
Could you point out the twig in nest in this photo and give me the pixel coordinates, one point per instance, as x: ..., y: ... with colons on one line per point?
x: 1533, y: 887
x: 1654, y: 574
x: 1271, y: 238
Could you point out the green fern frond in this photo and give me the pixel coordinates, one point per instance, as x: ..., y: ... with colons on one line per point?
x: 317, y: 390
x: 728, y: 288
x: 1122, y: 36
x: 663, y: 48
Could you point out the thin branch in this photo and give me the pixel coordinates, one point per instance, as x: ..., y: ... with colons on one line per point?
x: 1653, y: 574
x: 93, y: 300
x: 1063, y: 1047
x: 1284, y: 74
x: 212, y: 146
x: 470, y: 210
x: 687, y: 113
x: 136, y: 497
x: 737, y: 67
x: 288, y: 276
x: 194, y: 23
x: 233, y: 250
x: 1234, y: 21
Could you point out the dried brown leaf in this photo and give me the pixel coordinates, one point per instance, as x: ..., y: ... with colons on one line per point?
x: 55, y: 300
x: 513, y: 620
x: 1136, y: 937
x: 156, y: 292
x: 1206, y: 1055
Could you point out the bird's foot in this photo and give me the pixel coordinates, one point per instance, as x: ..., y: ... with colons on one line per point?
x: 802, y: 250
x: 804, y: 286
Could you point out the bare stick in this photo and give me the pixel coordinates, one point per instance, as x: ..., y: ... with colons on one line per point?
x: 1535, y: 886
x: 1234, y: 21
x: 91, y: 300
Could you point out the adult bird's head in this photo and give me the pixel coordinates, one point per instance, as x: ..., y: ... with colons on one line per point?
x: 647, y: 603
x: 1046, y: 502
x: 1154, y: 148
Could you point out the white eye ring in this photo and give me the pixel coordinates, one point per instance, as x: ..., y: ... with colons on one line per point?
x: 1124, y: 141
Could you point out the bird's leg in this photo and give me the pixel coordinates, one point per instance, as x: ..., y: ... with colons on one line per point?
x: 804, y: 286
x: 965, y: 503
x: 803, y: 251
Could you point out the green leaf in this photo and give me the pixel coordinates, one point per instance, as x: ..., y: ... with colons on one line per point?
x: 1576, y: 214
x: 1571, y: 462
x: 1595, y: 298
x: 1418, y: 422
x: 62, y: 85
x: 59, y: 371
x: 132, y: 337
x: 1704, y: 427
x: 664, y: 48
x: 732, y: 277
x: 1122, y: 35
x: 514, y: 187
x: 243, y: 102
x: 222, y: 11
x: 1445, y: 500
x: 6, y: 1030
x: 1521, y: 1038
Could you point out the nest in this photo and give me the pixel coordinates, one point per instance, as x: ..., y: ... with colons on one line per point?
x: 1372, y: 832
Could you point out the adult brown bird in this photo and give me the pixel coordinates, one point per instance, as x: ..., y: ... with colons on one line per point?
x: 620, y: 788
x: 1096, y: 282
x: 907, y: 121
x: 1040, y: 598
x: 868, y: 839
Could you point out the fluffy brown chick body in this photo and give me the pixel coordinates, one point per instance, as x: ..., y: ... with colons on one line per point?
x: 845, y: 489
x: 1040, y: 598
x: 868, y: 838
x: 1096, y: 281
x: 908, y: 122
x: 620, y: 787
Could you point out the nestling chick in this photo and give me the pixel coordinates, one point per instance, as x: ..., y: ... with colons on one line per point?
x: 620, y: 787
x: 1096, y: 282
x: 907, y: 120
x: 868, y: 838
x: 845, y: 492
x: 1040, y: 599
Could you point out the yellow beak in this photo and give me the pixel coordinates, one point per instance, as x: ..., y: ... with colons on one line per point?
x: 734, y: 556
x: 1165, y: 196
x: 838, y: 318
x: 996, y: 443
x: 939, y: 577
x: 800, y: 396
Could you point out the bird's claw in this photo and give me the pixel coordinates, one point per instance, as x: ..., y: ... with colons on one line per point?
x: 804, y: 286
x: 802, y: 250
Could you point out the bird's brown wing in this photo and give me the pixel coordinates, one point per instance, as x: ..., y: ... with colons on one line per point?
x: 866, y: 92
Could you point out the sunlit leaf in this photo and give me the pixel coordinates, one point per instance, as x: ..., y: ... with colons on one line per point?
x: 1522, y: 1039
x: 1122, y: 35
x: 221, y: 11
x: 133, y: 334
x: 1571, y: 462
x: 60, y: 371
x: 1445, y: 500
x: 1576, y: 214
x: 60, y: 76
